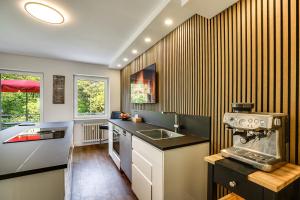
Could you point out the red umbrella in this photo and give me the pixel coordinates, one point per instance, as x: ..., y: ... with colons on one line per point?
x: 20, y: 86
x: 27, y: 86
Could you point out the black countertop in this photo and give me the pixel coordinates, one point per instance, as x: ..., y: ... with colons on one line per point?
x: 24, y: 158
x: 164, y: 144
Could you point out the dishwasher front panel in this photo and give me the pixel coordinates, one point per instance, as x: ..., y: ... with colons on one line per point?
x: 126, y: 153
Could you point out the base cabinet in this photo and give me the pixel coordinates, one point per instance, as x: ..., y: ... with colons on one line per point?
x: 47, y: 186
x: 174, y: 174
x: 141, y: 185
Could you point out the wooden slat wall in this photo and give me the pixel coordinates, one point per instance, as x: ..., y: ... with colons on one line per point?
x: 248, y: 53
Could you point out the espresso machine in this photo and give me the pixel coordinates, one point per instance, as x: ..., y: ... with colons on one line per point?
x: 259, y: 139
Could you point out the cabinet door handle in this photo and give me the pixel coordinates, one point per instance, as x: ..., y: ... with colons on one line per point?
x: 232, y: 184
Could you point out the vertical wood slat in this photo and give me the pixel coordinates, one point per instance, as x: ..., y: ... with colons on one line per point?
x: 222, y: 83
x: 293, y: 82
x: 259, y: 57
x: 253, y: 53
x: 244, y: 51
x: 239, y: 62
x: 226, y: 72
x: 278, y: 55
x: 214, y: 114
x: 201, y: 65
x: 249, y: 52
x: 265, y: 55
x: 271, y: 58
x: 298, y: 82
x: 213, y: 132
x: 230, y: 67
x: 234, y: 30
x: 285, y: 66
x: 219, y: 86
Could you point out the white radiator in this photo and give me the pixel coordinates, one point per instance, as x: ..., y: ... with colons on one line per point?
x: 92, y: 133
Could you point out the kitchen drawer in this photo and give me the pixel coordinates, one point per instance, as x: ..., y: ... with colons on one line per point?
x: 237, y: 183
x: 141, y: 186
x: 142, y: 164
x: 147, y: 170
x: 147, y: 151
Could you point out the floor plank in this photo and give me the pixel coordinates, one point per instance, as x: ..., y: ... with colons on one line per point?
x: 95, y: 177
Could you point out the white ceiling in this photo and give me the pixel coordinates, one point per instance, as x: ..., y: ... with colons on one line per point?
x: 96, y: 31
x: 179, y: 11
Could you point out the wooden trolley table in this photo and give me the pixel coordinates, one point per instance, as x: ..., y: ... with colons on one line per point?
x: 250, y: 183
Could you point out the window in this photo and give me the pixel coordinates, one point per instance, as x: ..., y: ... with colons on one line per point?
x: 91, y: 97
x: 20, y: 98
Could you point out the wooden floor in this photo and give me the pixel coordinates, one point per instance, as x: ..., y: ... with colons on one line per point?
x: 95, y: 177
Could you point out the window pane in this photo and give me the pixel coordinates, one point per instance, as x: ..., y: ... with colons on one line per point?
x: 90, y: 97
x: 20, y: 99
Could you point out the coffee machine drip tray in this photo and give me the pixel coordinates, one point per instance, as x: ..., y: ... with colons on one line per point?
x: 257, y: 160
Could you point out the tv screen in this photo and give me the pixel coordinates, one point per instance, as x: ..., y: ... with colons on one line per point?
x: 143, y: 85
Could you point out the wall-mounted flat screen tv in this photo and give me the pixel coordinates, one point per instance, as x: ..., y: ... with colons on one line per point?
x: 143, y: 85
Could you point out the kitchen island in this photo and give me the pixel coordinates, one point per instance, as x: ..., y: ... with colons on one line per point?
x: 39, y: 169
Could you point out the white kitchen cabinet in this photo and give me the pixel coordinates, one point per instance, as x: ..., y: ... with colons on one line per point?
x: 149, y: 161
x: 48, y: 185
x: 175, y: 174
x: 142, y: 186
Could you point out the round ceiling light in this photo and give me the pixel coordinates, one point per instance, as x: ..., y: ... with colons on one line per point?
x: 168, y: 22
x: 44, y: 13
x: 134, y: 51
x: 147, y: 39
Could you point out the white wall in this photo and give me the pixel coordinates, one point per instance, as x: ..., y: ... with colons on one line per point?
x: 50, y: 67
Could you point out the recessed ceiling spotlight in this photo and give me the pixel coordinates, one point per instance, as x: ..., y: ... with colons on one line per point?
x: 44, y: 13
x: 147, y: 39
x: 134, y: 51
x: 168, y: 22
x: 119, y: 65
x: 125, y: 59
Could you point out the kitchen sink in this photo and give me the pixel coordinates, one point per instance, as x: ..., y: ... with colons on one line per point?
x: 159, y: 134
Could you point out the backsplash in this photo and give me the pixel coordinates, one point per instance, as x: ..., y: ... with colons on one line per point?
x: 189, y: 124
x: 156, y: 118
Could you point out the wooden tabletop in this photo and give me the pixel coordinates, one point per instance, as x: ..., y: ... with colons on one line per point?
x: 231, y: 196
x: 213, y: 158
x: 277, y: 179
x: 274, y: 181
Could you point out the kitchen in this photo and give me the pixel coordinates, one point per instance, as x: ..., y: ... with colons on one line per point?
x: 160, y: 98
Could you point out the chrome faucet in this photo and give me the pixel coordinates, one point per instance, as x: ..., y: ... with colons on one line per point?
x: 176, y: 125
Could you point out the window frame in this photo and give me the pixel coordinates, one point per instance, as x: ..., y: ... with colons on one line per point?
x: 77, y: 77
x: 41, y: 76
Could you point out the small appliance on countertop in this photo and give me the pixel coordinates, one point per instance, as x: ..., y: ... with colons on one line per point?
x: 259, y: 139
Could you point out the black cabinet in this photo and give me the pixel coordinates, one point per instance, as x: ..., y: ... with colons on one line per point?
x: 234, y: 176
x: 237, y: 183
